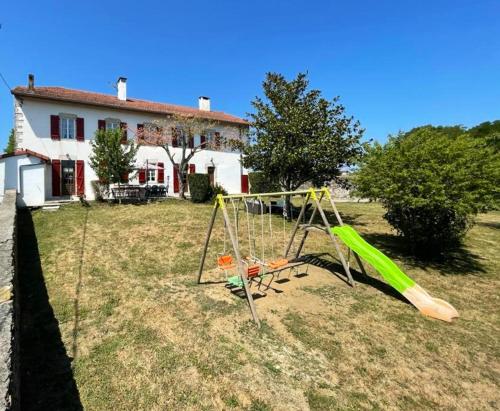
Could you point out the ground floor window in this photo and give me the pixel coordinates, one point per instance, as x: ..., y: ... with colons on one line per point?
x: 152, y: 175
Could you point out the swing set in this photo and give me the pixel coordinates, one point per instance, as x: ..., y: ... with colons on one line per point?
x: 243, y: 271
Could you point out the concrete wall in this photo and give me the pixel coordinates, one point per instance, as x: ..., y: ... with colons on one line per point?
x: 33, y: 123
x: 9, y: 312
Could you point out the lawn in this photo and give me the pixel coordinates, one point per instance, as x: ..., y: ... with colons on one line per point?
x: 133, y: 330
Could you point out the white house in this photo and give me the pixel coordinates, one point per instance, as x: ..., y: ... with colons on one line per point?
x: 54, y: 127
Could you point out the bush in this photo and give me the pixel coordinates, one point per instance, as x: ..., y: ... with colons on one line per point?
x: 260, y: 183
x: 199, y: 187
x: 217, y: 189
x: 432, y: 181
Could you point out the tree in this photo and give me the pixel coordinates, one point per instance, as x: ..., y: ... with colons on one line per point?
x: 298, y: 136
x: 432, y: 182
x: 179, y: 131
x: 112, y: 159
x: 11, y: 144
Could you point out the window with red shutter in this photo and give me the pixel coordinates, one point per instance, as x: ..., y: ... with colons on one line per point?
x: 101, y: 124
x: 161, y: 173
x: 191, y: 142
x: 123, y: 127
x: 202, y: 142
x: 54, y: 128
x: 142, y: 176
x: 140, y: 131
x: 124, y: 177
x: 80, y: 177
x: 56, y: 177
x: 176, y: 178
x: 192, y: 169
x: 80, y: 130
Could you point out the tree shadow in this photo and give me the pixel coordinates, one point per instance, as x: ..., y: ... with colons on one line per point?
x: 47, y: 381
x: 458, y: 261
x: 351, y: 219
x: 489, y: 224
x: 319, y: 260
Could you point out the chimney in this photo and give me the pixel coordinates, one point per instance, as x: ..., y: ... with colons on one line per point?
x: 204, y: 103
x: 121, y: 86
x: 31, y: 82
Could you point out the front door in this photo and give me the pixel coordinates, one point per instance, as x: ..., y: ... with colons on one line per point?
x: 68, y: 177
x: 211, y: 175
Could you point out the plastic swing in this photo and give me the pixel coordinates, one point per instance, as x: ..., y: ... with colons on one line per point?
x: 225, y: 261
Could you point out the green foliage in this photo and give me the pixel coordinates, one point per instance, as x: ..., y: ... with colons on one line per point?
x: 217, y: 189
x: 260, y: 183
x: 11, y: 144
x: 432, y: 181
x: 111, y: 159
x: 199, y: 187
x: 298, y: 136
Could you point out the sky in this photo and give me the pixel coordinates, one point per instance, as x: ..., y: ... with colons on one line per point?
x: 395, y: 64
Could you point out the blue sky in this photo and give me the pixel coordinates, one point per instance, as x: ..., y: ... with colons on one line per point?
x: 395, y: 64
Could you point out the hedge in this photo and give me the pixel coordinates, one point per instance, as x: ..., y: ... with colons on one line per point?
x: 199, y: 187
x: 260, y: 183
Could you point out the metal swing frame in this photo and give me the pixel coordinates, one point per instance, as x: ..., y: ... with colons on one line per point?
x: 312, y: 195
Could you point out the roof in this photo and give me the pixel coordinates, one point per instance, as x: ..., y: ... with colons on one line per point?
x: 107, y: 100
x: 25, y: 152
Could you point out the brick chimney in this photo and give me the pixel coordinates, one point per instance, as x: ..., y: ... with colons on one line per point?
x: 204, y: 103
x: 31, y: 82
x: 121, y: 86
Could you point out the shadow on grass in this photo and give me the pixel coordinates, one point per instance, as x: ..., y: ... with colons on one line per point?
x: 458, y: 261
x: 351, y: 219
x: 47, y: 381
x: 336, y: 268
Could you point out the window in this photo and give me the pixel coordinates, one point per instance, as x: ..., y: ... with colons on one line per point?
x: 112, y: 124
x: 152, y: 175
x: 68, y: 127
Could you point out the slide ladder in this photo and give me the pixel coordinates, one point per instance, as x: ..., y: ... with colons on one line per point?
x: 389, y: 270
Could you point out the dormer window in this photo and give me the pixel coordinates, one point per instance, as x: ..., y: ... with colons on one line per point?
x: 67, y: 127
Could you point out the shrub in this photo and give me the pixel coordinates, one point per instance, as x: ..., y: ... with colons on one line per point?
x: 432, y: 181
x: 261, y: 183
x: 217, y: 189
x: 199, y: 187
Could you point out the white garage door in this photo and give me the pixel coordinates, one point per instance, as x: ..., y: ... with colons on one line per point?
x: 33, y: 184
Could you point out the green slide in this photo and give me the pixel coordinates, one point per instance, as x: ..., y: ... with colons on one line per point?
x: 383, y: 264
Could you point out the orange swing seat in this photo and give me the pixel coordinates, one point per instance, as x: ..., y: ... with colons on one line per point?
x: 281, y: 262
x: 225, y: 262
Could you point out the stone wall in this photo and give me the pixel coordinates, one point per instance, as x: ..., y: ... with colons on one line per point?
x: 9, y: 312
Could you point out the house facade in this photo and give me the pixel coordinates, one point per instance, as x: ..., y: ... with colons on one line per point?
x: 54, y: 127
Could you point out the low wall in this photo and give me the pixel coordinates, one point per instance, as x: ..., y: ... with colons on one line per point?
x: 9, y: 312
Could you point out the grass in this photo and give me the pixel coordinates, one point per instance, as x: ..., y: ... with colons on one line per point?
x: 142, y: 335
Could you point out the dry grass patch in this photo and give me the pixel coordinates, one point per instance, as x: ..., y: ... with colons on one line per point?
x: 145, y: 336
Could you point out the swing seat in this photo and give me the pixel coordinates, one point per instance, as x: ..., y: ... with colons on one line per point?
x: 252, y: 272
x: 277, y: 263
x: 225, y: 262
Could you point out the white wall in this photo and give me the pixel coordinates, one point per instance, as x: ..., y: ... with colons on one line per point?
x: 35, y: 125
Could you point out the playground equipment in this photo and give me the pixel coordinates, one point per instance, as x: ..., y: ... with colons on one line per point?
x: 255, y: 269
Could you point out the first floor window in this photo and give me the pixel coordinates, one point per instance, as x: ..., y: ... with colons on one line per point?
x: 152, y: 175
x: 112, y: 124
x: 67, y: 127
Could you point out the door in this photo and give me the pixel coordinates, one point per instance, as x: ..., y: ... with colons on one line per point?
x: 32, y: 184
x: 68, y: 177
x: 211, y: 175
x: 244, y: 183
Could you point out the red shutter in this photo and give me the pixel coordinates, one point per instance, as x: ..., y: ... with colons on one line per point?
x: 142, y: 176
x: 101, y: 124
x: 244, y: 183
x: 176, y: 178
x: 191, y: 142
x: 123, y: 127
x: 56, y: 177
x: 80, y: 177
x: 80, y: 131
x: 124, y: 177
x: 192, y: 169
x: 174, y: 137
x: 54, y: 128
x: 140, y: 132
x: 202, y: 142
x: 161, y: 173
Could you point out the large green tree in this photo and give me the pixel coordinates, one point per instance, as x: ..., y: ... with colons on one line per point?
x: 11, y: 143
x: 298, y: 136
x: 432, y: 182
x: 111, y: 158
